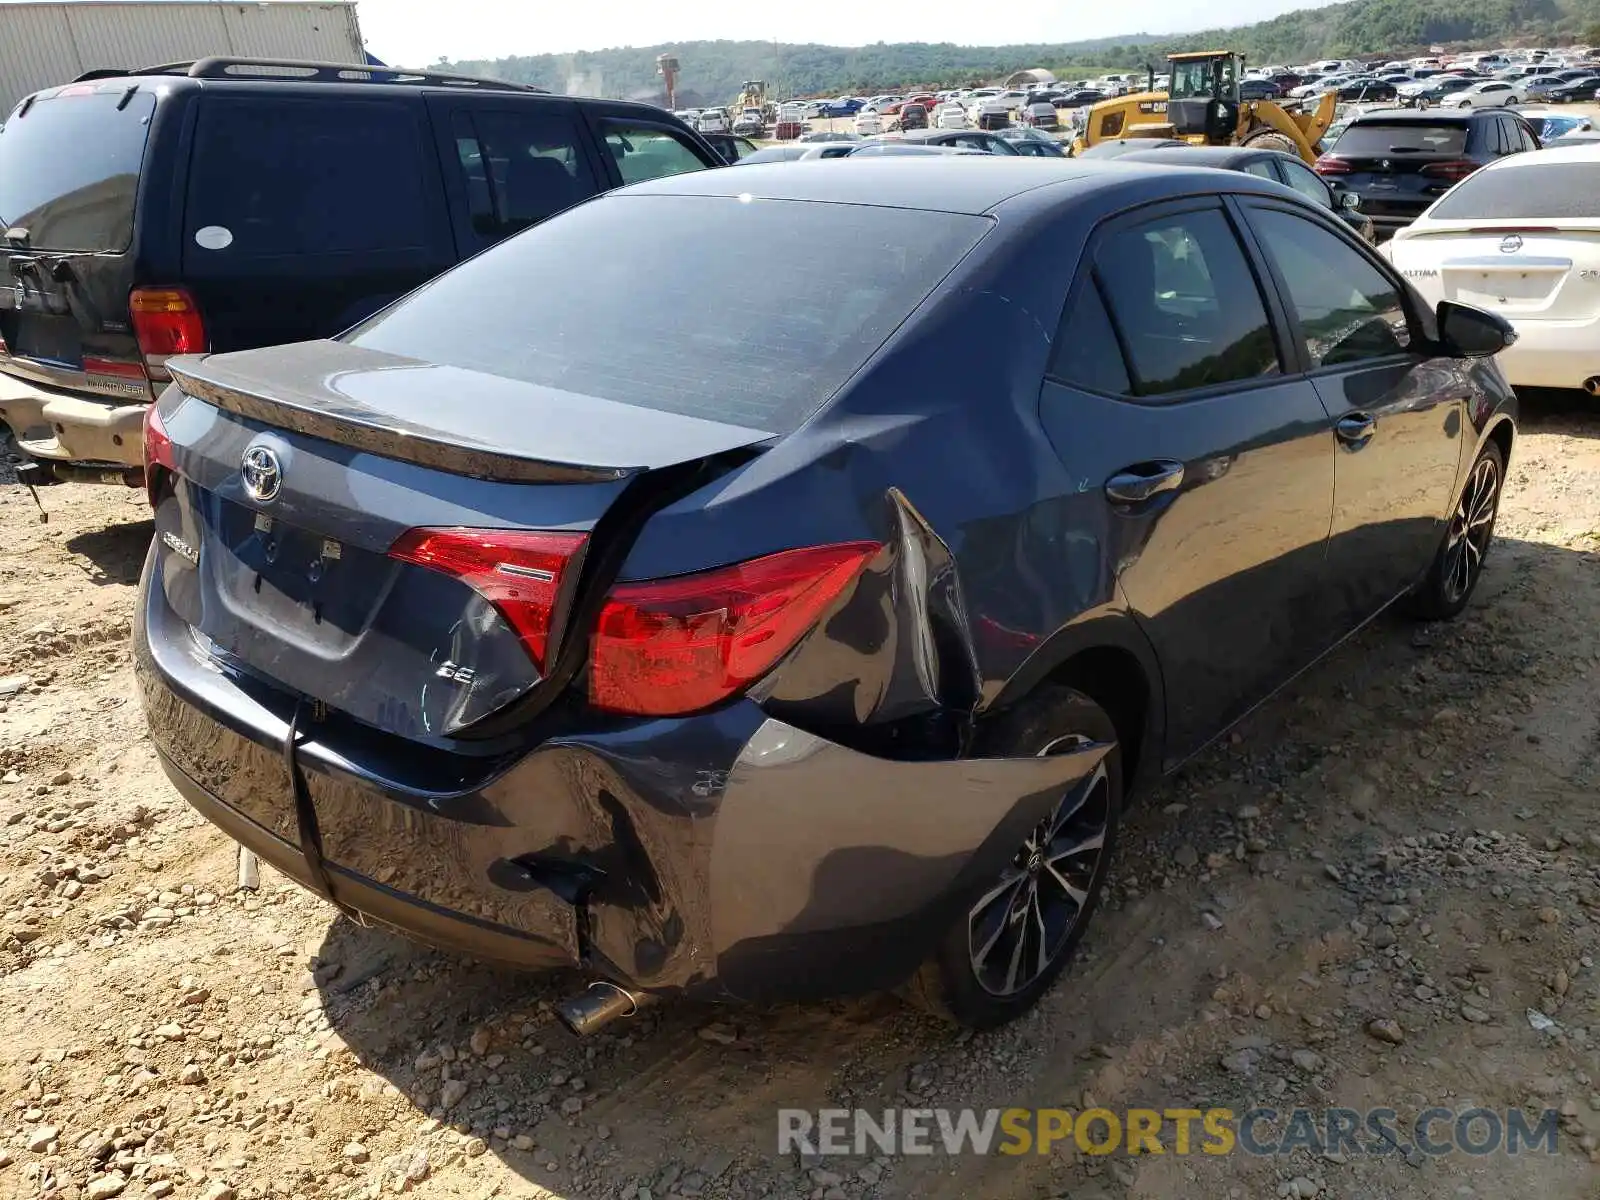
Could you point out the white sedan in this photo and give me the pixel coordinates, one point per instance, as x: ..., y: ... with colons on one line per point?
x: 1521, y: 237
x: 1492, y: 93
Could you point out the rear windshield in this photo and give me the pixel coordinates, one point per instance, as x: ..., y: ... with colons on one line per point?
x: 1402, y: 137
x: 749, y: 312
x: 1545, y: 191
x: 69, y: 169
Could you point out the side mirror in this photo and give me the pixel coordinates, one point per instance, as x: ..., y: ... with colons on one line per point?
x: 1467, y: 332
x: 1349, y: 199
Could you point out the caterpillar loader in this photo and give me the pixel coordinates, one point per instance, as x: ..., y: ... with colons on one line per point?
x: 1202, y: 106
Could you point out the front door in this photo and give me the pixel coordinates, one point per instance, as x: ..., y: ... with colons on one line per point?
x: 1398, y: 415
x: 1169, y: 396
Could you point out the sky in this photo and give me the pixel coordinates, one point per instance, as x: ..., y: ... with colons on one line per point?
x: 418, y: 32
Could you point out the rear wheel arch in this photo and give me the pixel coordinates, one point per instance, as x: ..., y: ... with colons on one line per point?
x: 1502, y: 433
x: 1110, y: 661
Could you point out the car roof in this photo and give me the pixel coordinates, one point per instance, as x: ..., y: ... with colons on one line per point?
x: 1412, y: 116
x: 1223, y: 157
x: 1577, y: 152
x: 973, y: 184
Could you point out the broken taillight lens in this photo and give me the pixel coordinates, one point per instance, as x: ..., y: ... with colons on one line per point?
x: 519, y: 572
x: 672, y: 646
x: 158, y: 454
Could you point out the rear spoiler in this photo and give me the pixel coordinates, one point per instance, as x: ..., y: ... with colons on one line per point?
x: 339, y: 419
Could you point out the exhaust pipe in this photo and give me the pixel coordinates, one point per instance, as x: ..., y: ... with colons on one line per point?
x: 1592, y: 385
x: 597, y: 1006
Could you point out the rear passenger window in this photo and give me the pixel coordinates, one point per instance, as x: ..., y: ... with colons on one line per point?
x: 521, y: 167
x: 1183, y: 295
x: 1349, y: 311
x: 290, y: 176
x: 645, y: 153
x: 1086, y: 350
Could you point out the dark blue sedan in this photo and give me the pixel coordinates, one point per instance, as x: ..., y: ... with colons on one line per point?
x: 777, y: 582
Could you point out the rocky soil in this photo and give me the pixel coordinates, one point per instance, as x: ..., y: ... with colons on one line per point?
x: 1355, y: 901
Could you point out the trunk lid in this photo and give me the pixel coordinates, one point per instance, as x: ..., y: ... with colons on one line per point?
x: 1522, y: 271
x: 70, y: 162
x: 296, y: 583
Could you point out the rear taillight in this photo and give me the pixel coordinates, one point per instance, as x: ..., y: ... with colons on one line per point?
x: 1329, y: 165
x: 166, y: 321
x: 1453, y: 171
x: 671, y: 646
x: 518, y: 572
x: 158, y: 455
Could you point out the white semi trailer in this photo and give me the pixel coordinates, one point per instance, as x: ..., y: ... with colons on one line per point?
x: 44, y: 45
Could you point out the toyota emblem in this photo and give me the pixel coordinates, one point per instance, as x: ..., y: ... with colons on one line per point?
x: 1510, y: 244
x: 261, y: 472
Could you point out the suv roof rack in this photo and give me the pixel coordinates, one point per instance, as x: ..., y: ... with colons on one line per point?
x: 314, y: 72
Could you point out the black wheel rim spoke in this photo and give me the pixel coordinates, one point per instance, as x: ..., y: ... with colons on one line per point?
x: 1471, y: 528
x: 1019, y: 927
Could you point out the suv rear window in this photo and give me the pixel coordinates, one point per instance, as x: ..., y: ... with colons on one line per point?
x: 1369, y: 138
x: 69, y: 168
x: 294, y: 176
x: 650, y: 300
x: 1559, y: 190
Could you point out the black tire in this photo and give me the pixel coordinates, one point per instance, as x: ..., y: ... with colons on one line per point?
x: 953, y: 984
x: 1271, y: 140
x: 1458, y: 565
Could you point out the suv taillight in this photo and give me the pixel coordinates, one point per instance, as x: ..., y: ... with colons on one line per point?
x: 518, y: 572
x: 667, y: 647
x: 158, y: 455
x: 167, y: 321
x: 1329, y: 165
x: 1454, y: 170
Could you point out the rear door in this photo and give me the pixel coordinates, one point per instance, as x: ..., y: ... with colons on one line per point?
x: 510, y: 164
x: 1398, y: 415
x: 308, y: 212
x: 70, y: 168
x: 1170, y: 395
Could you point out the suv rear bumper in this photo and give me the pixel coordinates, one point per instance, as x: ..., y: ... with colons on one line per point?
x: 726, y: 854
x: 65, y: 428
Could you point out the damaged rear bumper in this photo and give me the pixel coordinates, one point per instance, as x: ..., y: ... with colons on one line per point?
x: 727, y: 854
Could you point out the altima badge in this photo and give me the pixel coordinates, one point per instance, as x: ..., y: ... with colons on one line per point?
x: 262, y: 474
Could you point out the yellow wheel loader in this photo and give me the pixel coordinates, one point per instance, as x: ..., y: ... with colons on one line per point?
x: 1202, y: 106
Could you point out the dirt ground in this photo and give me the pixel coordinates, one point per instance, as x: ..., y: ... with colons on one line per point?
x: 1405, y: 836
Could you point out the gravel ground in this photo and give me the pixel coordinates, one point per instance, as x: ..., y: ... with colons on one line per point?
x: 1355, y: 900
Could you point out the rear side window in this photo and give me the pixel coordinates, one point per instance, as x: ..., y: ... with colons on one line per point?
x: 1086, y: 350
x: 650, y: 300
x: 69, y: 169
x: 1187, y: 304
x: 1402, y: 137
x: 293, y: 176
x: 644, y: 153
x: 1533, y: 189
x: 521, y: 167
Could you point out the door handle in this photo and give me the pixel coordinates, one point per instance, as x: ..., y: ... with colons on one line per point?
x: 1138, y: 483
x: 1356, y: 429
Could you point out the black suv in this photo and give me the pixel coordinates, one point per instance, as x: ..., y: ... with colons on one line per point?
x: 1399, y: 161
x: 234, y: 203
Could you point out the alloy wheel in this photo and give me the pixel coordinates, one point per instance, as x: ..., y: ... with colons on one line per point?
x: 1018, y: 928
x: 1471, y: 528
